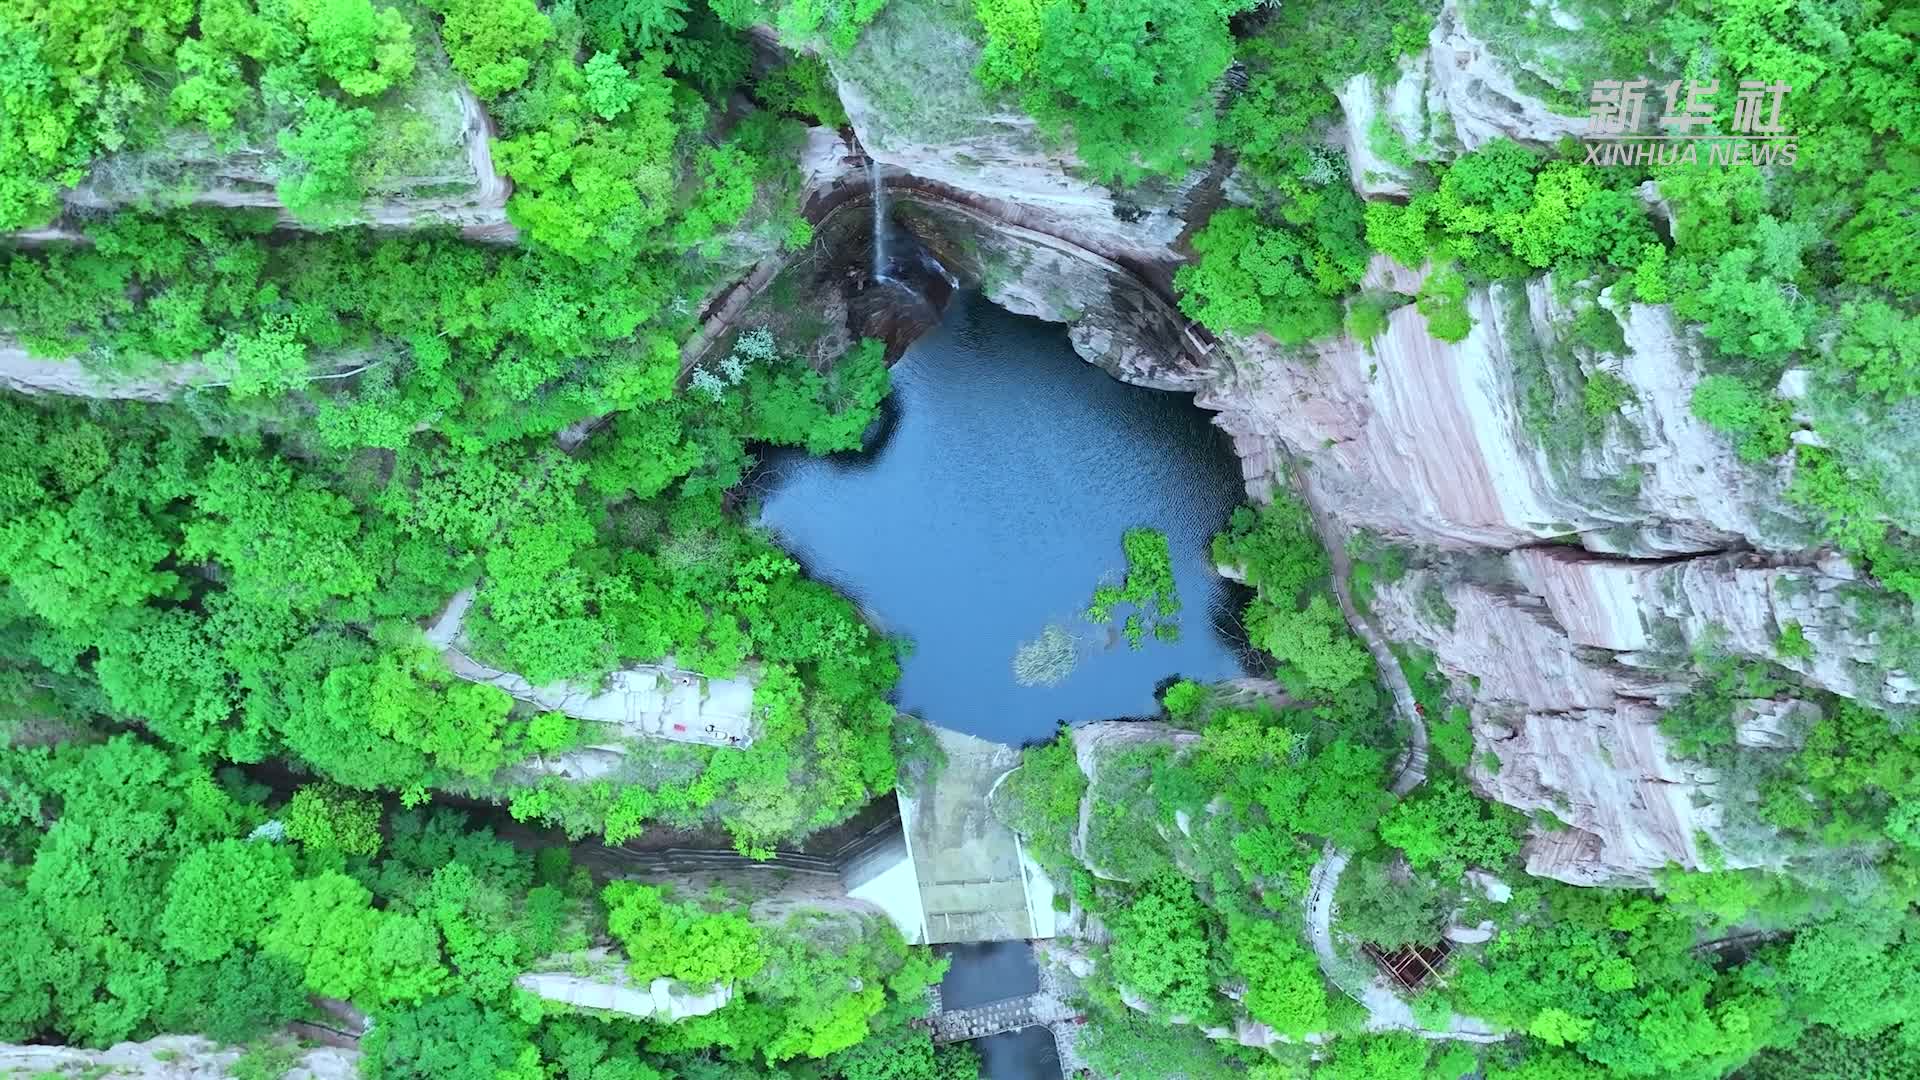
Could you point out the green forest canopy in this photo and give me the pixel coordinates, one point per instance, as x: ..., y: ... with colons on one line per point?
x: 238, y: 578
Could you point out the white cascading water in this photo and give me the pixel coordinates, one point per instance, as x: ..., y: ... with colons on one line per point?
x: 879, y: 221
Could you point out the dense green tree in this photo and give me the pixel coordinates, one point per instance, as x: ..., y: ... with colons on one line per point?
x: 447, y: 1038
x: 1286, y: 280
x: 1294, y: 616
x: 220, y: 896
x: 1444, y: 829
x: 1284, y: 986
x: 1128, y: 79
x: 364, y: 50
x: 331, y: 817
x: 326, y: 925
x: 493, y: 44
x: 679, y: 940
x: 1163, y: 947
x: 904, y: 1054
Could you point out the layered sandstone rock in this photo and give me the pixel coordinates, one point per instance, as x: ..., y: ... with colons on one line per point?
x: 1456, y: 96
x: 463, y: 190
x: 1115, y: 319
x: 1742, y: 604
x: 1629, y: 806
x: 1427, y: 440
x: 645, y: 701
x: 1567, y: 659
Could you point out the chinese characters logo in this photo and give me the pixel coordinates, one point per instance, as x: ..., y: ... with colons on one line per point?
x: 1616, y: 136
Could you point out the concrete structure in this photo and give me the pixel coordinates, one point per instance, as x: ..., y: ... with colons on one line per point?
x: 975, y: 880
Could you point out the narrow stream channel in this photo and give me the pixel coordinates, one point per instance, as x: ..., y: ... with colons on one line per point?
x: 991, y: 505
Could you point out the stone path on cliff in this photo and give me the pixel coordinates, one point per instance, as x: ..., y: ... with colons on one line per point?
x: 1386, y: 1010
x: 1411, y: 770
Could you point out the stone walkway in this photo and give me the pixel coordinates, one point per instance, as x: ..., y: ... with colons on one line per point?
x: 651, y: 701
x: 1386, y: 1010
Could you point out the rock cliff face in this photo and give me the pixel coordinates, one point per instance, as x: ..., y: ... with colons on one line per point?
x: 1429, y: 441
x: 1114, y: 318
x: 909, y: 90
x: 1661, y: 539
x: 1580, y: 559
x: 1456, y: 96
x: 1568, y: 658
x: 459, y: 187
x: 1571, y: 651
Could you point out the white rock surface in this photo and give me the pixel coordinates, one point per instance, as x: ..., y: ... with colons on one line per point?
x: 1114, y: 320
x: 1456, y: 96
x: 28, y: 374
x: 612, y: 990
x: 1743, y: 603
x: 1400, y: 107
x: 1774, y: 725
x: 166, y: 1057
x: 477, y: 204
x: 652, y: 701
x: 1424, y: 439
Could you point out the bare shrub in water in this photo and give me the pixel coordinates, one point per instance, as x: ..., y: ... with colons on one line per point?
x: 1046, y: 660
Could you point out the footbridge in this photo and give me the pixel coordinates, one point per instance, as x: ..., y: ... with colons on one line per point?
x: 1041, y: 1009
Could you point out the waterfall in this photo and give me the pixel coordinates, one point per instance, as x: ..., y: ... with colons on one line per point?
x: 879, y: 221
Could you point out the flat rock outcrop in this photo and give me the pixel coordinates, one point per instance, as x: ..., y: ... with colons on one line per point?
x: 465, y: 191
x: 646, y: 701
x: 1092, y: 744
x: 167, y: 1057
x: 21, y: 371
x: 611, y: 989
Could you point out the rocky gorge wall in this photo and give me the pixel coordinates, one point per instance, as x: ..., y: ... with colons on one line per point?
x: 459, y: 187
x: 1577, y: 562
x: 1571, y: 569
